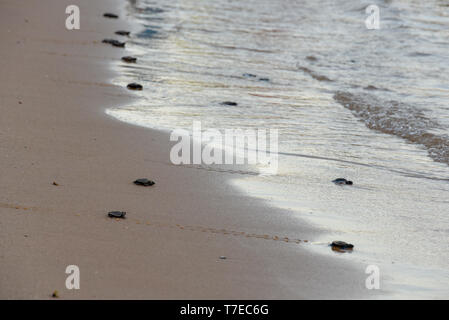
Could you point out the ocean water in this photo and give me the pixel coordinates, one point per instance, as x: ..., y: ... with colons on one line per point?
x: 367, y: 105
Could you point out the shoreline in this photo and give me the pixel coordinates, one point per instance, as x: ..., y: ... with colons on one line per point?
x: 54, y: 129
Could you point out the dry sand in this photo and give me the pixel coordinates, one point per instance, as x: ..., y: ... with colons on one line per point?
x: 55, y: 86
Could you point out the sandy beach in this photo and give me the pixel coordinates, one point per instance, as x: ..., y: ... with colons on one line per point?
x: 55, y: 87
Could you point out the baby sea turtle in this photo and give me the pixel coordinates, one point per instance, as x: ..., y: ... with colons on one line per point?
x: 229, y: 103
x: 110, y: 15
x: 129, y: 59
x: 341, y: 245
x: 134, y: 86
x: 144, y: 182
x: 114, y: 42
x: 122, y: 33
x: 341, y: 181
x: 117, y: 214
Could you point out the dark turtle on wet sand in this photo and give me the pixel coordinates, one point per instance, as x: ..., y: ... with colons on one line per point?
x: 341, y: 181
x: 110, y: 15
x: 134, y: 86
x: 114, y: 42
x: 122, y: 33
x: 129, y: 59
x: 341, y: 245
x: 144, y: 182
x: 229, y: 103
x: 117, y: 214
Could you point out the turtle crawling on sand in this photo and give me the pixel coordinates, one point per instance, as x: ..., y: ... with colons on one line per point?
x: 229, y: 103
x: 341, y: 245
x: 129, y: 59
x: 122, y: 33
x: 341, y: 181
x: 134, y: 86
x: 144, y: 182
x: 114, y: 42
x: 110, y: 15
x: 117, y: 214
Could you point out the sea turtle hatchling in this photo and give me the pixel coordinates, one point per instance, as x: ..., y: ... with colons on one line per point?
x: 114, y: 42
x: 117, y: 214
x: 110, y: 15
x: 341, y: 245
x: 122, y: 33
x: 341, y: 181
x: 134, y: 86
x: 129, y: 59
x: 229, y: 103
x: 144, y: 182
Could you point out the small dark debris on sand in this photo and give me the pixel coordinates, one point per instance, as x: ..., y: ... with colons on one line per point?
x: 122, y: 33
x: 134, y: 86
x: 129, y: 59
x: 229, y: 103
x: 55, y: 184
x: 117, y: 214
x: 144, y: 182
x: 55, y: 294
x: 341, y: 181
x: 114, y: 42
x: 370, y: 87
x: 110, y: 15
x: 311, y: 58
x: 264, y: 79
x: 222, y: 257
x: 341, y: 245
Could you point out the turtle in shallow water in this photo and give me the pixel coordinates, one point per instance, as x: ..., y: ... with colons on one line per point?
x: 144, y: 182
x: 110, y: 15
x: 341, y: 245
x: 134, y: 86
x: 129, y: 59
x: 117, y: 214
x: 122, y: 33
x: 341, y: 181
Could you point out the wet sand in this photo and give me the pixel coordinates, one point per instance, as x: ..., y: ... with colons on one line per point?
x: 55, y: 87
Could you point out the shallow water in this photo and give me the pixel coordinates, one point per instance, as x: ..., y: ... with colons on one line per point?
x: 369, y: 105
